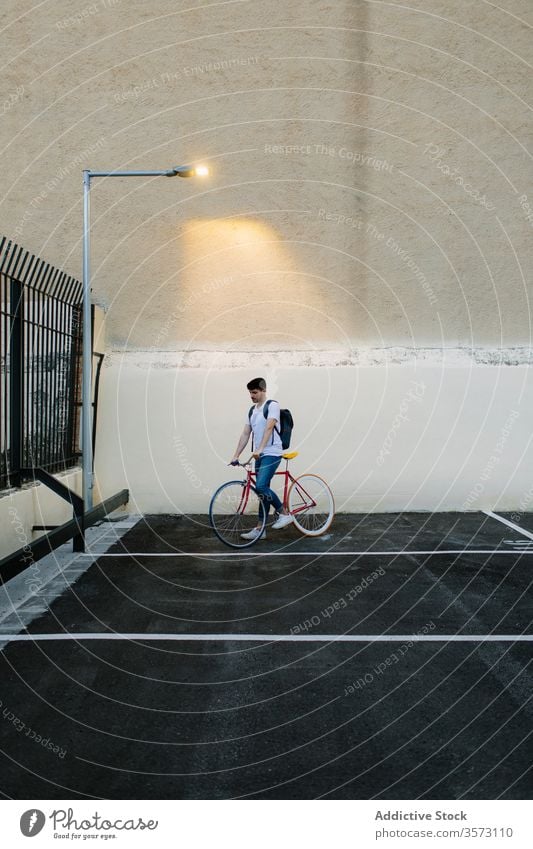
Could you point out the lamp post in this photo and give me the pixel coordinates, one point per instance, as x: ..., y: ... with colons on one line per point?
x: 86, y: 417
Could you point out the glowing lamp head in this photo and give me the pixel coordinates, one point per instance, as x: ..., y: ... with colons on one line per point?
x: 188, y: 171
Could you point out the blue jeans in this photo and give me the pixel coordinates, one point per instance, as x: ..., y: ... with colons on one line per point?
x: 265, y: 468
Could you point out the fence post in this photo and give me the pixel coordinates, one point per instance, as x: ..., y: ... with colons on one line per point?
x: 16, y: 378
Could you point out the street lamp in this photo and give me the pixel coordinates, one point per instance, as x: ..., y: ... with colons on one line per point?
x: 86, y: 391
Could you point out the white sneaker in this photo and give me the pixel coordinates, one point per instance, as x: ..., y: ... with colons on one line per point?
x: 282, y: 521
x: 254, y: 534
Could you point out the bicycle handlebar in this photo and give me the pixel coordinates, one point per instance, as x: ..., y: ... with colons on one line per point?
x: 236, y: 462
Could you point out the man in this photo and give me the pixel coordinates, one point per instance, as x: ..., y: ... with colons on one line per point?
x: 267, y: 451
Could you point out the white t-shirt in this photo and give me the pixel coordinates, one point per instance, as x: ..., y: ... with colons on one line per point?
x: 258, y: 424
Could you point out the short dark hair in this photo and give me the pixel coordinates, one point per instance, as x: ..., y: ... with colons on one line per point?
x: 257, y: 383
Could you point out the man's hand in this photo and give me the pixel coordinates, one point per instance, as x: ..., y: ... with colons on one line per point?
x: 234, y: 462
x: 256, y: 455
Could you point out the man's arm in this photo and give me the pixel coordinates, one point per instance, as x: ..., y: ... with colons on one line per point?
x: 243, y: 442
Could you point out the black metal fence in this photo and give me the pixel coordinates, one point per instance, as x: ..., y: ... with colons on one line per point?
x: 40, y: 380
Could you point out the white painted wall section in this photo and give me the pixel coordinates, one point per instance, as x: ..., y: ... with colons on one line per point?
x: 434, y: 433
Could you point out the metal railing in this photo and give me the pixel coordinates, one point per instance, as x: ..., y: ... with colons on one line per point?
x: 40, y: 380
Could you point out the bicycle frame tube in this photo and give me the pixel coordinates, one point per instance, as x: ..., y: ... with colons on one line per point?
x: 308, y: 500
x: 245, y: 492
x: 289, y: 480
x: 288, y: 477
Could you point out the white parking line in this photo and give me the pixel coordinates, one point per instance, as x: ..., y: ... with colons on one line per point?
x: 521, y: 544
x: 302, y: 553
x: 277, y: 638
x: 509, y: 524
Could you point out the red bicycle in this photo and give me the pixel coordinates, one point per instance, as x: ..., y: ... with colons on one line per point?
x: 236, y: 507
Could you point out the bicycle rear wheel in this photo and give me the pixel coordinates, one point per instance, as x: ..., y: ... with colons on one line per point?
x: 236, y: 509
x: 312, y: 506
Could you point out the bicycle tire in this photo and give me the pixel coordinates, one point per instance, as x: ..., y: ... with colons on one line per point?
x: 316, y: 519
x: 230, y: 517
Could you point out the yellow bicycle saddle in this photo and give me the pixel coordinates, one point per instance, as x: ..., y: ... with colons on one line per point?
x: 290, y: 455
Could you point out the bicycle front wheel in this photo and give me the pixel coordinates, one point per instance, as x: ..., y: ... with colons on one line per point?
x: 311, y: 504
x: 235, y: 510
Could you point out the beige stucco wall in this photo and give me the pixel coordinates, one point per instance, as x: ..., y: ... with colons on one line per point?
x: 283, y: 101
x: 369, y: 189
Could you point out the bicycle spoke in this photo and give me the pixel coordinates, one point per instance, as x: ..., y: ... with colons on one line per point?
x: 312, y: 505
x: 234, y: 512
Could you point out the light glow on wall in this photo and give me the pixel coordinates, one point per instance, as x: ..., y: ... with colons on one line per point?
x: 240, y: 286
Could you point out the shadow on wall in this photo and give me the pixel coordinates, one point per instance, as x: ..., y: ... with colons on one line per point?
x: 357, y: 137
